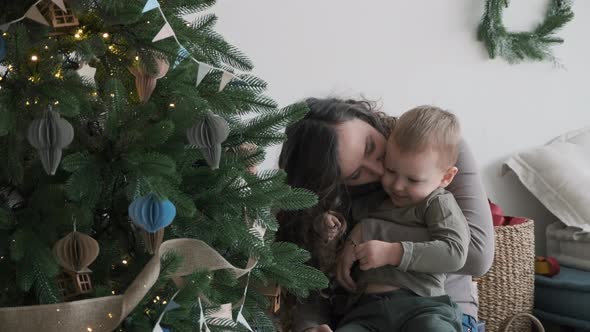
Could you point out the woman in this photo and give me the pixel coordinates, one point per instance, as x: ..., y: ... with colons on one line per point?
x: 336, y: 151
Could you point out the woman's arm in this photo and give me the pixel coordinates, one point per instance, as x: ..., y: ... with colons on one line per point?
x: 471, y: 197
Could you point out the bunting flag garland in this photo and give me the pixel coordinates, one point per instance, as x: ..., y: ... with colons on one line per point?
x: 60, y: 4
x: 225, y: 78
x: 34, y: 14
x: 203, y: 70
x: 202, y: 321
x: 31, y: 11
x: 165, y: 32
x: 151, y: 4
x: 170, y: 306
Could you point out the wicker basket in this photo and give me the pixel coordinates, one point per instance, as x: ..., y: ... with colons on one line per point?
x: 507, y: 290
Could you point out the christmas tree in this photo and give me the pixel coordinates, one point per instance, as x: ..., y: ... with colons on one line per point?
x: 128, y: 142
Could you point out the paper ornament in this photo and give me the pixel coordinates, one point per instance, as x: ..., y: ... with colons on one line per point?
x: 49, y: 135
x: 145, y: 82
x: 151, y: 214
x: 2, y: 48
x: 208, y: 134
x: 152, y: 241
x: 76, y: 251
x: 149, y: 5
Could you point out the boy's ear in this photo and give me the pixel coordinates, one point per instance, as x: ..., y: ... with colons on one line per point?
x: 448, y: 176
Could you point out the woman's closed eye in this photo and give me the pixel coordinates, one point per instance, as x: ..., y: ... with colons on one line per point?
x: 354, y: 176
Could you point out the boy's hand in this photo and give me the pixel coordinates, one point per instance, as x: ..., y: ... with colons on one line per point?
x: 330, y: 227
x: 373, y: 254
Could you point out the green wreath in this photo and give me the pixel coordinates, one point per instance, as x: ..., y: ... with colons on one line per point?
x: 518, y: 46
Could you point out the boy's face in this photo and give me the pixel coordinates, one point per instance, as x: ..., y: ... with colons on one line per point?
x: 410, y: 177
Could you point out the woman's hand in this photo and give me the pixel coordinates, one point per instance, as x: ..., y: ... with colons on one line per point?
x: 373, y: 254
x: 319, y: 328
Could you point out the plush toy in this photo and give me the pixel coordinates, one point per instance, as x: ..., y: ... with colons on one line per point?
x: 546, y: 266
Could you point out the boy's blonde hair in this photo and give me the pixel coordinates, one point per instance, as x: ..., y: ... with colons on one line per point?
x: 428, y: 127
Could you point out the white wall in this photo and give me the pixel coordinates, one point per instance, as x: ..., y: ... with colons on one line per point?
x: 407, y: 53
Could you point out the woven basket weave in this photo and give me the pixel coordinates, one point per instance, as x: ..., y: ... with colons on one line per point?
x: 507, y: 289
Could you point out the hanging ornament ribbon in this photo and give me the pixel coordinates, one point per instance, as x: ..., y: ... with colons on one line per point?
x: 106, y: 313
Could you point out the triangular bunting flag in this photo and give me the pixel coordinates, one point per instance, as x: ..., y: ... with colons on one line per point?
x: 151, y: 4
x: 202, y: 72
x: 4, y: 27
x: 164, y: 33
x: 60, y: 4
x: 226, y: 78
x: 182, y: 54
x: 34, y: 14
x: 240, y: 319
x: 170, y: 306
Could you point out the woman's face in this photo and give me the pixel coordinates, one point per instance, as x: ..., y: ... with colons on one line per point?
x: 361, y: 149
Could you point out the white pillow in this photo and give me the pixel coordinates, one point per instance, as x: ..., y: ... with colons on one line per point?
x: 558, y: 174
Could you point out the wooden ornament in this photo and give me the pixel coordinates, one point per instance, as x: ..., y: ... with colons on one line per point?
x: 61, y: 21
x: 208, y: 134
x: 50, y: 135
x: 76, y: 251
x: 145, y: 81
x: 73, y: 284
x: 152, y: 241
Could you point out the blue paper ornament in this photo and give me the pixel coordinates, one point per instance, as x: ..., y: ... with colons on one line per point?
x: 151, y: 213
x: 2, y: 48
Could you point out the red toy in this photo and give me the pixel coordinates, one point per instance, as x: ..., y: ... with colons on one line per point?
x: 546, y: 266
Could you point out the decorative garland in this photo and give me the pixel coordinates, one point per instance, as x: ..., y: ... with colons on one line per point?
x: 519, y: 46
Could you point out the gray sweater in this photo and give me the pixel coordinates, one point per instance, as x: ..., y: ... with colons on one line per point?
x: 424, y: 262
x: 471, y: 197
